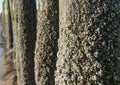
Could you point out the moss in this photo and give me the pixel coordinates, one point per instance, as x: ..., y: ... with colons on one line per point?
x: 11, y: 11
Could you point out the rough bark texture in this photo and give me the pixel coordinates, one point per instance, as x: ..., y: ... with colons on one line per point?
x: 46, y: 45
x: 26, y: 38
x: 89, y: 43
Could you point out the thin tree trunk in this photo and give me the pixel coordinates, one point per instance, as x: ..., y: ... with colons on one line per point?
x: 8, y: 36
x: 9, y: 39
x: 15, y: 28
x: 89, y: 43
x: 26, y: 37
x: 46, y: 45
x: 8, y: 25
x: 3, y: 15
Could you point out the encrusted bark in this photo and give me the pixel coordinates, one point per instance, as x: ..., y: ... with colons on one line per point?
x: 46, y: 45
x: 26, y: 37
x: 89, y: 43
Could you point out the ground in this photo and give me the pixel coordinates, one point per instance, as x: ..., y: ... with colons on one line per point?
x: 8, y: 78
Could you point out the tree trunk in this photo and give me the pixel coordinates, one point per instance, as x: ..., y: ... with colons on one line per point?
x: 8, y: 25
x: 89, y: 43
x: 9, y: 39
x: 15, y: 28
x: 26, y: 37
x: 3, y: 15
x: 8, y: 36
x: 46, y: 44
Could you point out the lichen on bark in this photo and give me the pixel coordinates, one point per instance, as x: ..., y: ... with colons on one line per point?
x: 89, y: 43
x: 26, y: 37
x: 46, y: 44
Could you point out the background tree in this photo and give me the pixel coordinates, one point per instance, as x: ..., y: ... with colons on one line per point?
x: 8, y: 35
x: 46, y: 44
x: 89, y: 46
x: 26, y: 37
x: 15, y: 21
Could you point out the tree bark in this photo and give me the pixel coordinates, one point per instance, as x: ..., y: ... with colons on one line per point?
x: 8, y: 36
x: 89, y: 43
x: 15, y: 28
x: 8, y: 25
x: 46, y: 44
x: 26, y: 37
x: 9, y: 39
